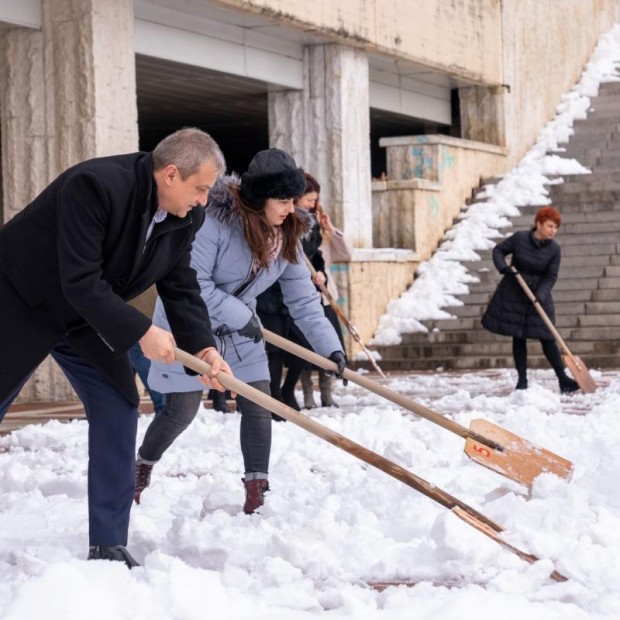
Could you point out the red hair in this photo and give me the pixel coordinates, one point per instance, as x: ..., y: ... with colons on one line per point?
x: 548, y: 213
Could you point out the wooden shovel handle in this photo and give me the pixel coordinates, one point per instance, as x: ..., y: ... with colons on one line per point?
x: 469, y: 515
x: 542, y: 313
x: 377, y: 388
x: 343, y: 317
x: 340, y: 441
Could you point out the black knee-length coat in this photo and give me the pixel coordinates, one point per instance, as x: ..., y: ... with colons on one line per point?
x: 510, y: 312
x: 72, y: 258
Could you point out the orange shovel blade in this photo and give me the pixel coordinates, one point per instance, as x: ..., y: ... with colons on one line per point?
x: 521, y: 460
x: 580, y: 373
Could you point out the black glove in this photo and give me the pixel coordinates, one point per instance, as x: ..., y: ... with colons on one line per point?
x: 507, y: 271
x: 341, y: 361
x: 251, y: 330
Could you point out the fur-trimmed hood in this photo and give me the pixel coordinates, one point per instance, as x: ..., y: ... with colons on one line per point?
x: 224, y: 207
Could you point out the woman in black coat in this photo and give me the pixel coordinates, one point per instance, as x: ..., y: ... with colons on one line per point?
x: 536, y: 256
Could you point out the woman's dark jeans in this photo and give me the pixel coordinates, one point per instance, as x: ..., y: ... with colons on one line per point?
x: 181, y: 408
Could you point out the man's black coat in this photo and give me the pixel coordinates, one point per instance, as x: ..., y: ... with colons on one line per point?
x: 71, y: 258
x: 510, y: 312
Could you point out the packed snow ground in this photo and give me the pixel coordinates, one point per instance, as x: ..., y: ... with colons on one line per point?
x: 331, y: 524
x: 439, y: 280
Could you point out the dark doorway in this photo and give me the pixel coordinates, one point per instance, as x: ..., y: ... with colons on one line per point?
x: 232, y: 109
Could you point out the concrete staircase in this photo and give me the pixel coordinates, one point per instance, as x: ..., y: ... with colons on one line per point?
x: 587, y: 294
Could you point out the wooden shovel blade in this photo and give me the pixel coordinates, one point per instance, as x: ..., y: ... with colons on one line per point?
x: 497, y: 537
x: 580, y: 373
x: 520, y: 460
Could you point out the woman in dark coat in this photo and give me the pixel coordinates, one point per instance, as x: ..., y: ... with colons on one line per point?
x: 536, y: 256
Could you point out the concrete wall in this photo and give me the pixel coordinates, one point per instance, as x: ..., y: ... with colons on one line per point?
x: 429, y: 179
x: 366, y: 286
x: 546, y: 46
x: 460, y: 37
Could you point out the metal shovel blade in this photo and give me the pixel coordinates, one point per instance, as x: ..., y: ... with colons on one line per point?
x: 520, y: 460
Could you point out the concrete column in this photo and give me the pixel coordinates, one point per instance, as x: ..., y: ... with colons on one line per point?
x: 67, y: 93
x: 482, y: 114
x: 326, y: 127
x: 90, y: 78
x: 24, y: 128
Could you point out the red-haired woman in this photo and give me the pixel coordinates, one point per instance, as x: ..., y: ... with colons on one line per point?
x: 536, y: 256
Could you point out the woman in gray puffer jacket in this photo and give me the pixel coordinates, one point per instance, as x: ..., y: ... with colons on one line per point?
x: 249, y: 240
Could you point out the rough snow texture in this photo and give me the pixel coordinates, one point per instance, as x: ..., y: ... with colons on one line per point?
x: 331, y: 524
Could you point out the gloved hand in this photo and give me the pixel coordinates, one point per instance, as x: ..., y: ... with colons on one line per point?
x: 507, y: 271
x: 341, y: 361
x: 251, y: 330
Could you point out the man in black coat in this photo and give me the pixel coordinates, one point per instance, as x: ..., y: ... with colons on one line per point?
x: 99, y: 235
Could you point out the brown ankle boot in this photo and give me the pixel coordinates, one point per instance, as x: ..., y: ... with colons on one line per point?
x: 254, y: 494
x: 143, y: 477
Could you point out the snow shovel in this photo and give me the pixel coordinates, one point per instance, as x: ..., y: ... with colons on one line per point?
x: 577, y: 368
x: 465, y: 512
x: 486, y: 443
x: 343, y: 317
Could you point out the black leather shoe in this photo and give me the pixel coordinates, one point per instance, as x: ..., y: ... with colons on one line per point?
x: 116, y: 553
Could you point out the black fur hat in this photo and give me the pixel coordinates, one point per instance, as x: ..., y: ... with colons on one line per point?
x: 272, y: 173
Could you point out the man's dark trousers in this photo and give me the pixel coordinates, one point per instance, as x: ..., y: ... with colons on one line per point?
x: 112, y: 426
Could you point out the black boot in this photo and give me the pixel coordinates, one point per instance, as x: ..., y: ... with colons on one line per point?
x: 521, y: 384
x: 116, y: 553
x: 288, y: 397
x: 219, y: 401
x: 568, y: 385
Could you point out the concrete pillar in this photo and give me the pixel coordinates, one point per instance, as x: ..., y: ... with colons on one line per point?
x: 24, y: 133
x: 326, y: 127
x: 482, y: 114
x: 90, y: 78
x: 67, y: 93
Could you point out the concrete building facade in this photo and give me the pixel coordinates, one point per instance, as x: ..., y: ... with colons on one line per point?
x: 427, y: 96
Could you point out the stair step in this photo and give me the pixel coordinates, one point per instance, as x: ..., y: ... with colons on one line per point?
x: 526, y: 220
x: 589, y: 249
x: 598, y: 334
x: 571, y: 205
x: 607, y: 166
x: 608, y: 282
x: 592, y: 361
x: 599, y: 320
x: 600, y: 260
x: 601, y: 307
x: 582, y: 273
x: 501, y: 348
x: 606, y: 294
x: 605, y: 125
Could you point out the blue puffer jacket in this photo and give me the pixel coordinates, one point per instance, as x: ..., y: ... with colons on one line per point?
x: 223, y: 262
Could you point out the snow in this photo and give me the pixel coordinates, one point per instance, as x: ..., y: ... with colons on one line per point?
x: 440, y: 279
x: 332, y: 524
